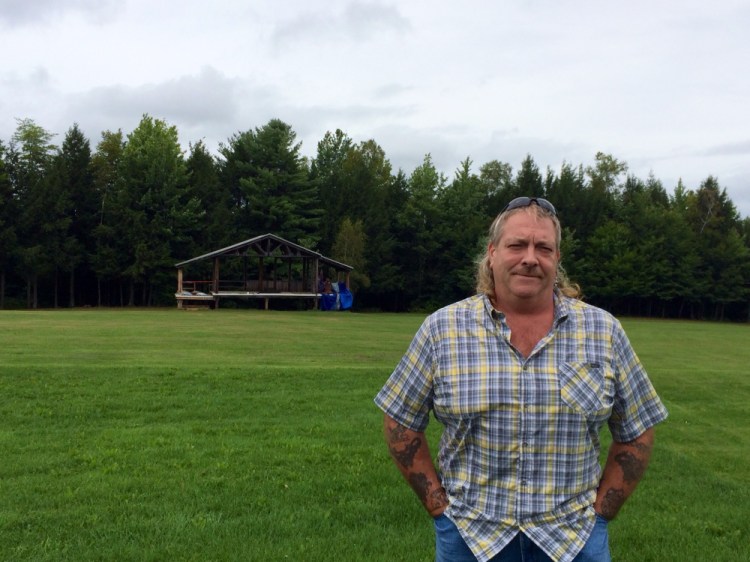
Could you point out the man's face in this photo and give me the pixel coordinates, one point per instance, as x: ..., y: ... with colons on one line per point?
x: 524, y: 262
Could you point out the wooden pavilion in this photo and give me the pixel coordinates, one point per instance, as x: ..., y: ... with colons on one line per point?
x: 263, y: 267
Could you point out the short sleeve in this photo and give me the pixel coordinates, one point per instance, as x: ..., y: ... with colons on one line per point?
x: 637, y: 407
x: 408, y: 393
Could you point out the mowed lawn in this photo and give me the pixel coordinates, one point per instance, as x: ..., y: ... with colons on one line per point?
x: 168, y: 435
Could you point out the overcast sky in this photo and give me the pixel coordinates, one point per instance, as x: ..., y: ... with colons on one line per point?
x: 663, y: 86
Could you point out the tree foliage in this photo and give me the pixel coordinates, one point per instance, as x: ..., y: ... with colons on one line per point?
x: 271, y: 184
x: 105, y: 228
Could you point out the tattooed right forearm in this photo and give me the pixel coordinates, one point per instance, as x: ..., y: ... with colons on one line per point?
x: 431, y: 497
x: 420, y: 484
x: 411, y: 453
x: 405, y: 456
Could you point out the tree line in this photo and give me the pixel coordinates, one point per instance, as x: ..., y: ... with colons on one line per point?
x: 104, y: 226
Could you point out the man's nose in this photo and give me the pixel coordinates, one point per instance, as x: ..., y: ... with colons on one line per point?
x: 529, y: 256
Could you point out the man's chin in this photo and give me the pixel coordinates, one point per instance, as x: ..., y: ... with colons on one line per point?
x: 527, y: 283
x: 529, y: 289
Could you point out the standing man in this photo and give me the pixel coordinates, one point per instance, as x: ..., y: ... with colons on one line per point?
x: 522, y: 376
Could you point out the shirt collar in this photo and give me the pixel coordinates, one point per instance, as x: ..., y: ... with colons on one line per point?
x: 562, y: 307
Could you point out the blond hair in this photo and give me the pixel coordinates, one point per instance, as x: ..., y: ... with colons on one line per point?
x: 485, y: 279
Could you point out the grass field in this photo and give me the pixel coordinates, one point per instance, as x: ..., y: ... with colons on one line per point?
x: 166, y: 435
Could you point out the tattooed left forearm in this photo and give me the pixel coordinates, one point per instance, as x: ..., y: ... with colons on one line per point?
x: 632, y: 466
x: 626, y: 465
x: 611, y: 503
x: 397, y: 434
x: 633, y: 459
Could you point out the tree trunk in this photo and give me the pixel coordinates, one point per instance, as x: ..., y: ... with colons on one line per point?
x: 72, y: 288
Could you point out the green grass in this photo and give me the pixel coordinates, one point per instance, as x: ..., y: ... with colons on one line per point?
x: 251, y: 435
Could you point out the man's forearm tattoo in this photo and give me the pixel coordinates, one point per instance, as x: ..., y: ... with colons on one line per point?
x: 612, y: 502
x: 423, y: 488
x: 632, y: 466
x: 405, y: 456
x: 438, y: 498
x: 397, y: 434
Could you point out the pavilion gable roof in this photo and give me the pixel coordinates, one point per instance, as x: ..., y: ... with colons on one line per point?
x: 267, y: 245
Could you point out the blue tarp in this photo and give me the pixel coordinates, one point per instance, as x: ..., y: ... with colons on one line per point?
x: 328, y: 301
x: 345, y: 297
x: 340, y: 299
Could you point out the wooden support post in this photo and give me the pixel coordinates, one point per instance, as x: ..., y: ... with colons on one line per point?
x: 179, y: 287
x: 315, y: 283
x: 215, y: 279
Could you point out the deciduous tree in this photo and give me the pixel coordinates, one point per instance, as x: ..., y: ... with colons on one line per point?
x: 152, y: 191
x: 30, y: 159
x: 8, y: 214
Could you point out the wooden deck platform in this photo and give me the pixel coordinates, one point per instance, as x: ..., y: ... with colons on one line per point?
x: 211, y: 300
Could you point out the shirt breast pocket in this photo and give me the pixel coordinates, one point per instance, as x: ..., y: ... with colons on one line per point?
x: 587, y: 387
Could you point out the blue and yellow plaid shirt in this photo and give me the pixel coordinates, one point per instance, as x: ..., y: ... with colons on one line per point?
x: 520, y: 445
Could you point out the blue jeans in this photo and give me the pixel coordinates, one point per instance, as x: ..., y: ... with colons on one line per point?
x: 450, y: 547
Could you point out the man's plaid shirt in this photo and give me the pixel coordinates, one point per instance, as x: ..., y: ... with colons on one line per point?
x: 520, y: 446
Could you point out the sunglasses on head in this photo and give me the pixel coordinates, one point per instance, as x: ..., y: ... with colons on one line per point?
x: 519, y: 202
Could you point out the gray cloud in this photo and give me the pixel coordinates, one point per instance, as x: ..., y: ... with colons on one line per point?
x: 359, y: 21
x: 38, y: 79
x: 365, y: 19
x: 207, y: 96
x: 391, y: 90
x: 729, y: 149
x: 196, y: 103
x: 24, y: 12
